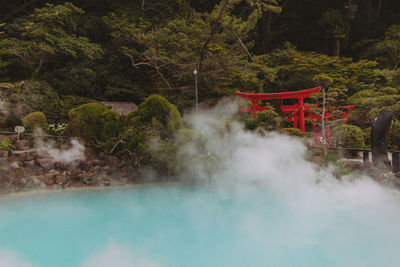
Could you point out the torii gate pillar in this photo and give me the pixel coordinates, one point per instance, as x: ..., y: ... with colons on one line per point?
x: 301, y: 115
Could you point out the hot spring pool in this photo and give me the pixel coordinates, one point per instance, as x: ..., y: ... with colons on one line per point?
x: 171, y: 225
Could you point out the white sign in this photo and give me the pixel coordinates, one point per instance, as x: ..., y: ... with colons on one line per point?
x: 19, y: 130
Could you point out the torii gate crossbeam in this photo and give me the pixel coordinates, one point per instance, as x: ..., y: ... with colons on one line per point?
x: 300, y: 95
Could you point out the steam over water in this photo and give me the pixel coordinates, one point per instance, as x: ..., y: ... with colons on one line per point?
x: 257, y: 202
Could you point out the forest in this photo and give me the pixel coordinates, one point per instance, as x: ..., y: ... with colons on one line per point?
x: 65, y: 54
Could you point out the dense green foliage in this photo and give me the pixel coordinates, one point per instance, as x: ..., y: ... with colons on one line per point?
x: 95, y: 122
x: 348, y: 136
x: 120, y: 50
x: 6, y: 145
x: 60, y: 58
x: 153, y: 131
x: 35, y: 121
x: 293, y: 132
x: 266, y: 120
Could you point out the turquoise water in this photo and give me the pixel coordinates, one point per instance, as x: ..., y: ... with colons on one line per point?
x: 198, y: 226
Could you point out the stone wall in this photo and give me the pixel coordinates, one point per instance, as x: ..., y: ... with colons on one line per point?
x: 23, y: 169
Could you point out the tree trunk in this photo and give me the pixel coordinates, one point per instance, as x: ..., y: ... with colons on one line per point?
x: 323, y: 127
x: 336, y: 47
x: 397, y: 65
x: 266, y: 30
x: 379, y: 8
x: 35, y: 73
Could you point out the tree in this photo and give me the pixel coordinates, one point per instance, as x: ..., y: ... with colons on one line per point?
x: 296, y: 69
x: 216, y: 43
x: 48, y: 33
x: 324, y: 82
x: 389, y: 48
x: 370, y: 102
x: 336, y: 28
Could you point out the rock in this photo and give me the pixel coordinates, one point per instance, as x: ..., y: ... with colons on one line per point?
x: 84, y: 166
x: 3, y: 162
x: 46, y: 163
x: 22, y: 145
x: 29, y: 163
x: 3, y: 154
x: 98, y: 162
x: 354, y: 165
x: 112, y: 162
x: 23, y: 155
x: 14, y: 165
x: 48, y: 178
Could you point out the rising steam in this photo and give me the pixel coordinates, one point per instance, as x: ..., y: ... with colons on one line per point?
x: 73, y: 153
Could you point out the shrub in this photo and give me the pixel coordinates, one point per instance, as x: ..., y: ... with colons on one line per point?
x: 35, y: 120
x: 395, y: 135
x: 367, y: 136
x: 151, y: 132
x: 157, y: 110
x: 38, y: 95
x: 71, y: 101
x: 6, y: 145
x: 94, y: 122
x: 348, y: 136
x: 268, y: 120
x: 294, y: 132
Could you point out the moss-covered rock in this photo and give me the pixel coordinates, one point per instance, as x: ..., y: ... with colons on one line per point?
x: 34, y: 121
x: 95, y: 122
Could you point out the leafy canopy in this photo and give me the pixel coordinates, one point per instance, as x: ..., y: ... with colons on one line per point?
x: 47, y: 33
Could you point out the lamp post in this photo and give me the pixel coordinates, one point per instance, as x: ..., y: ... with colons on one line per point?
x: 195, y: 88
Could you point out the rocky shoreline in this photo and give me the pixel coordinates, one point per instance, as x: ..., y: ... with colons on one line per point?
x: 23, y: 169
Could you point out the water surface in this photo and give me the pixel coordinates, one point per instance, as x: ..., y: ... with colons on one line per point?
x: 196, y: 226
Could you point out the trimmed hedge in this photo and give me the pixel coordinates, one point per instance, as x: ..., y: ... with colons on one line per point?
x: 347, y: 136
x: 94, y: 121
x: 36, y: 120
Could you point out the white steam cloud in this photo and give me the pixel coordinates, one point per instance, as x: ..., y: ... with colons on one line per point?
x: 9, y: 258
x: 3, y: 108
x: 115, y: 255
x: 75, y: 152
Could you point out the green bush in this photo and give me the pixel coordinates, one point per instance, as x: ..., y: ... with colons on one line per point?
x: 158, y: 111
x: 294, y: 132
x: 35, y: 120
x: 95, y: 122
x: 267, y: 120
x: 71, y: 101
x: 367, y: 136
x: 349, y: 136
x: 152, y: 131
x: 395, y: 135
x: 38, y: 96
x: 6, y: 145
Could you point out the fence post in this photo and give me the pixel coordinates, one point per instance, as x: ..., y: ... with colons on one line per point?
x: 396, y: 161
x: 365, y: 156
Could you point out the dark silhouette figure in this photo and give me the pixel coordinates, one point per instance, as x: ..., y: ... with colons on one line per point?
x: 380, y: 137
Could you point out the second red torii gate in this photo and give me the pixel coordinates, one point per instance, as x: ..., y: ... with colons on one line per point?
x: 300, y: 95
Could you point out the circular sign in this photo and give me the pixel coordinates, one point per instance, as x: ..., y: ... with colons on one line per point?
x: 19, y: 129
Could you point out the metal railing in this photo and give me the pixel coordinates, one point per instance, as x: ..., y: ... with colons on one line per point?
x: 395, y: 154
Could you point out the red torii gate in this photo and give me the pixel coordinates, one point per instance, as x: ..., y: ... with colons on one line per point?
x: 300, y: 95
